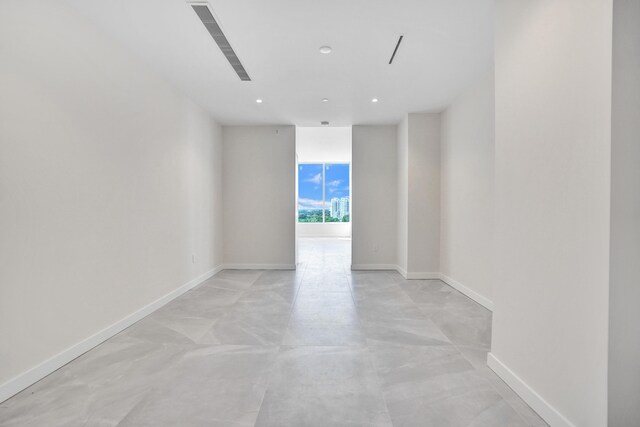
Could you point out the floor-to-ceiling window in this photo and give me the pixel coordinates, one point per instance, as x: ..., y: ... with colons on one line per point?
x: 324, y: 192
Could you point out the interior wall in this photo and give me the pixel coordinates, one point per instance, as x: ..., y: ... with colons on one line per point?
x: 110, y: 185
x: 552, y: 183
x: 466, y: 248
x: 329, y: 229
x: 624, y: 320
x: 259, y: 196
x: 423, y: 241
x: 418, y: 206
x: 323, y: 145
x: 402, y: 205
x: 374, y: 183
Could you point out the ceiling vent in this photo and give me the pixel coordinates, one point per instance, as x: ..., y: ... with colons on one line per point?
x: 393, y: 55
x: 205, y: 15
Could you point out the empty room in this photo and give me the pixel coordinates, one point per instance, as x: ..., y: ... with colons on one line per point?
x: 301, y: 213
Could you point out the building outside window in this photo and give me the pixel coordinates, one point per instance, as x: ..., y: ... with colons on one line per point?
x: 324, y: 193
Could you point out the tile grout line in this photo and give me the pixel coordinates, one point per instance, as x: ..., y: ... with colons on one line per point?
x: 457, y: 348
x: 279, y: 346
x: 371, y: 360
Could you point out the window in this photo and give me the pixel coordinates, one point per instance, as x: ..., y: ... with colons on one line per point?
x: 310, y: 197
x: 336, y: 193
x: 324, y: 192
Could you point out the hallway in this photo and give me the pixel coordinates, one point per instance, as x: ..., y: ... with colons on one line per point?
x: 321, y: 346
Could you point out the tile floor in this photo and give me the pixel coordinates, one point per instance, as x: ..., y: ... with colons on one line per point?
x: 320, y: 346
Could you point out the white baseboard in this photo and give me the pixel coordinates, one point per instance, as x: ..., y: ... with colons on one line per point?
x: 377, y: 267
x: 402, y: 271
x: 533, y: 399
x: 480, y: 299
x: 365, y: 267
x: 319, y: 236
x: 422, y: 276
x: 35, y: 374
x: 417, y: 275
x: 259, y: 267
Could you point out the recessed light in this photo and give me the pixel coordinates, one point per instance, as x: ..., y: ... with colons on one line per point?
x: 325, y: 99
x: 325, y: 49
x: 325, y: 123
x: 259, y: 101
x: 374, y: 100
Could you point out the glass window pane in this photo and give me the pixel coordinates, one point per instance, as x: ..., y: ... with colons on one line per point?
x: 337, y: 196
x: 309, y: 192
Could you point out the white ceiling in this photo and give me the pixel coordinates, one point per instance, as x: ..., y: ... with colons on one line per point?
x: 447, y: 44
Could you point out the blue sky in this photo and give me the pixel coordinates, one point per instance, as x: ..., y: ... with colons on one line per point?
x: 310, y: 184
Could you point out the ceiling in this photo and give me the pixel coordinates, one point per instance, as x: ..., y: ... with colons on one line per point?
x: 447, y: 45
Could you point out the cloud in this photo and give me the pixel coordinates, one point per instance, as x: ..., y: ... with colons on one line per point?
x: 335, y: 183
x: 316, y: 179
x: 309, y: 204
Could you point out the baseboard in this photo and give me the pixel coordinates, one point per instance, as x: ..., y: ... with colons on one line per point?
x: 402, y: 271
x: 35, y: 374
x: 421, y: 276
x: 365, y: 267
x: 416, y: 275
x: 259, y: 267
x: 533, y: 399
x: 482, y: 300
x: 324, y: 236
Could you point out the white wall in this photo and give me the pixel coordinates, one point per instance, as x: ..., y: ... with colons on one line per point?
x: 110, y: 180
x: 374, y: 174
x: 466, y: 249
x: 324, y: 145
x: 259, y: 196
x: 328, y: 229
x: 552, y: 183
x: 624, y: 326
x: 418, y: 207
x: 403, y: 194
x: 423, y: 243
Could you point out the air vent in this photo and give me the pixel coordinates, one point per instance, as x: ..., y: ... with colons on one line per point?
x: 393, y: 55
x: 212, y: 26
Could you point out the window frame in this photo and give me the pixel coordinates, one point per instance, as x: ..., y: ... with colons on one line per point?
x: 324, y: 197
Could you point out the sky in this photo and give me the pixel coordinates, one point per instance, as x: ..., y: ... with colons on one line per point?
x: 336, y: 179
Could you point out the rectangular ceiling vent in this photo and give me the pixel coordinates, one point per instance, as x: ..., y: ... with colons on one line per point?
x: 205, y: 15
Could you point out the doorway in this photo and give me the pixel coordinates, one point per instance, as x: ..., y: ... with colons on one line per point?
x: 323, y: 193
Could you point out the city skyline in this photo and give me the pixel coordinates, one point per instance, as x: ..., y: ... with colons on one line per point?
x: 310, y: 184
x: 340, y: 207
x: 324, y: 192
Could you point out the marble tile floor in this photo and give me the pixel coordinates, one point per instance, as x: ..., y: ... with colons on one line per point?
x: 320, y: 346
